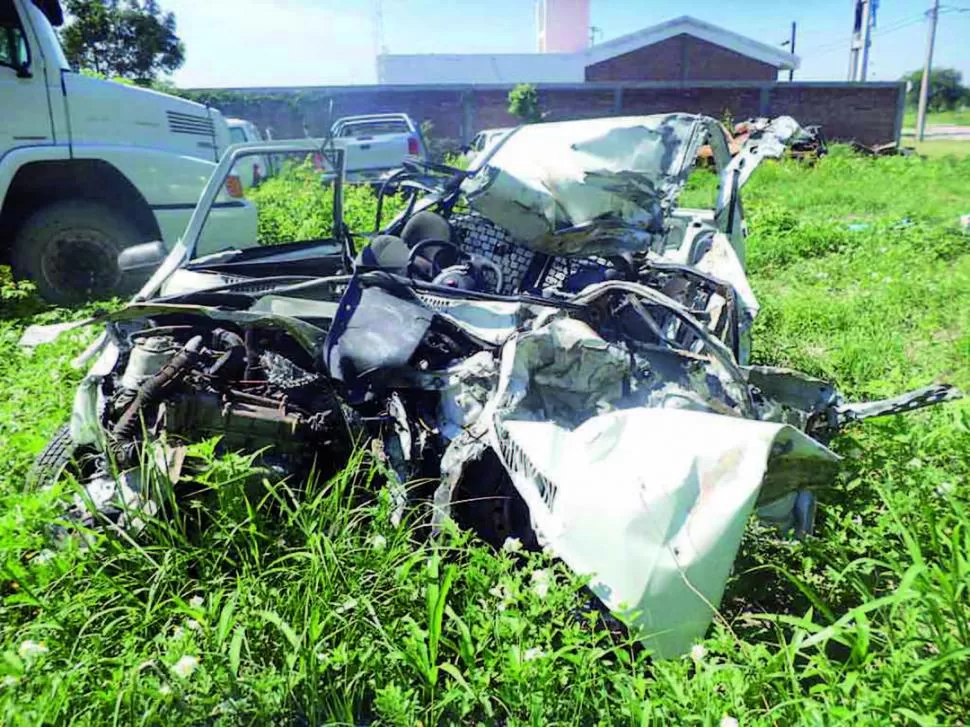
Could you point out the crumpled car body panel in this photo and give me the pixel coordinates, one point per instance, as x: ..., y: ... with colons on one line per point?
x: 652, y: 503
x: 544, y: 180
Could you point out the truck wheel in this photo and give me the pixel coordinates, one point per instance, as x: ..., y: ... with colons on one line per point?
x: 70, y: 251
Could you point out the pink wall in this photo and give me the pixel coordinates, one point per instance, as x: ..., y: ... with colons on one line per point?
x: 563, y: 25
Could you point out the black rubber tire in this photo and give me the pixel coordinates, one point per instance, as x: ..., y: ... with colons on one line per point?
x: 70, y: 251
x: 56, y: 456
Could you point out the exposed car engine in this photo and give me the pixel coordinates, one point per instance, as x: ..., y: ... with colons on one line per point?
x: 185, y: 383
x: 195, y: 384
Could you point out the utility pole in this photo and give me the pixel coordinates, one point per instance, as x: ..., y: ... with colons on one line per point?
x: 862, y: 20
x: 866, y: 39
x: 791, y: 71
x: 854, y: 43
x: 924, y: 87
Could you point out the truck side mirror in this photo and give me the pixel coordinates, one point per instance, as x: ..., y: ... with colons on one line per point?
x: 23, y: 71
x: 143, y: 258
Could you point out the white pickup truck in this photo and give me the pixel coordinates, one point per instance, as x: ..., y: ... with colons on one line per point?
x: 377, y: 144
x: 89, y: 167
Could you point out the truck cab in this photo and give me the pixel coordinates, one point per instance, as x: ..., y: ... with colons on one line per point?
x: 89, y: 167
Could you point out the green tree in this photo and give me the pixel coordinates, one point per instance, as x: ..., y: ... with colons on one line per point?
x: 524, y: 103
x: 134, y: 39
x: 946, y: 89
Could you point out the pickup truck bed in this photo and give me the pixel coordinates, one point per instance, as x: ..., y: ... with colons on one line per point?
x: 377, y: 144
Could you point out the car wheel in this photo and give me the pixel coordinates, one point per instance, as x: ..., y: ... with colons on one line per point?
x: 56, y: 459
x: 70, y: 251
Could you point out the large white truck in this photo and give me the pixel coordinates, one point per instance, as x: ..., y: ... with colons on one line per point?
x: 89, y: 167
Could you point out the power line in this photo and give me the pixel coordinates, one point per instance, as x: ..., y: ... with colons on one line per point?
x: 898, y: 25
x: 893, y: 29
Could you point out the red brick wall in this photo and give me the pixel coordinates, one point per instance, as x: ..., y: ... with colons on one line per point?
x: 739, y: 103
x: 865, y: 112
x: 681, y: 58
x: 862, y: 112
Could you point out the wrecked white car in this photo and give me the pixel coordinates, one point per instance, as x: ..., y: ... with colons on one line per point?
x: 547, y: 337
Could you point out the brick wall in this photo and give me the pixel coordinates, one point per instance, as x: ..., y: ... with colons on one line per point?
x: 681, y: 58
x: 866, y: 112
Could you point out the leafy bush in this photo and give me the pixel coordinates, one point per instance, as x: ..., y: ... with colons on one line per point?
x: 524, y: 103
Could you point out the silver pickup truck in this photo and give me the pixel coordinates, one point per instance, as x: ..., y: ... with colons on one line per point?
x: 375, y: 145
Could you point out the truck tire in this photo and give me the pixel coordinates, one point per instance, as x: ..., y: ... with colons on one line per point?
x: 70, y: 250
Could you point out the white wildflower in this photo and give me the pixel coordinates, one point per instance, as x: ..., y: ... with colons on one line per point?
x: 378, y: 542
x: 727, y: 721
x: 532, y: 654
x: 30, y: 649
x: 503, y: 594
x: 541, y: 580
x: 9, y: 681
x: 44, y: 556
x: 165, y: 690
x: 349, y: 605
x: 944, y: 488
x: 178, y: 632
x: 184, y: 667
x: 915, y: 463
x: 697, y: 653
x: 512, y: 545
x: 192, y: 624
x: 196, y: 601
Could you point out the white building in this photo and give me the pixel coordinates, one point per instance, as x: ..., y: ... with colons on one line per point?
x: 665, y: 52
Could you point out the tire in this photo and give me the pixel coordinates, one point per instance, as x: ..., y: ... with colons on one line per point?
x: 54, y: 460
x: 70, y: 251
x: 59, y: 457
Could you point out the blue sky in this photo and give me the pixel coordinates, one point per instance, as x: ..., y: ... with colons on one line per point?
x: 330, y: 42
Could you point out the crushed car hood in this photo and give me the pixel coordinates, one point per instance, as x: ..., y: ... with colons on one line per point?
x: 546, y: 178
x: 604, y: 186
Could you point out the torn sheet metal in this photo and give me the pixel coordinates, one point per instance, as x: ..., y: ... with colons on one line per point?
x: 652, y: 504
x: 645, y: 489
x: 549, y: 178
x: 768, y: 139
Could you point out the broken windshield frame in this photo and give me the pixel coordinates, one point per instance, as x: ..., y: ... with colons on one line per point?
x: 184, y: 250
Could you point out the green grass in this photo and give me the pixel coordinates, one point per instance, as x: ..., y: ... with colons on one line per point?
x: 953, y: 118
x: 315, y: 610
x: 941, y: 147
